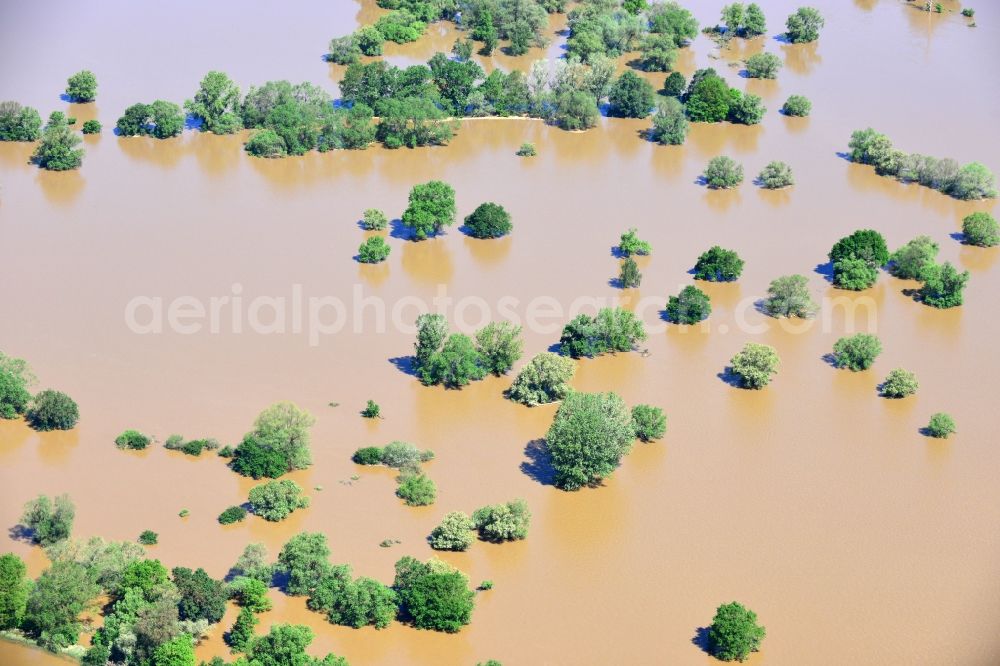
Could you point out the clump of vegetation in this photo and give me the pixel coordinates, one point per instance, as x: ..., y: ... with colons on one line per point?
x: 279, y: 443
x: 499, y: 346
x: 416, y: 489
x: 371, y: 410
x: 648, y: 422
x: 192, y: 447
x: 82, y: 87
x: 216, y: 104
x: 58, y: 149
x: 857, y: 258
x: 710, y: 99
x: 718, y: 264
x: 527, y: 150
x: 734, y: 632
x: 590, y: 434
x: 630, y: 244
x: 912, y: 261
x: 275, y: 500
x: 149, y: 538
x: 374, y: 219
x: 266, y: 143
x: 19, y: 123
x: 50, y: 521
x: 432, y: 207
x: 161, y: 119
x: 404, y: 456
x: 797, y: 105
x: 91, y: 127
x: 433, y: 595
x: 674, y: 85
x: 508, y: 521
x: 788, y: 296
x: 15, y: 378
x: 485, y: 586
x: 373, y: 250
x: 691, y: 306
x: 612, y: 330
x: 981, y: 229
x: 629, y: 276
x: 489, y: 220
x: 763, y: 66
x: 14, y: 589
x: 233, y: 514
x: 804, y: 25
x: 775, y: 176
x: 368, y: 455
x: 943, y: 286
x: 899, y: 384
x: 184, y: 513
x: 52, y: 410
x: 941, y: 425
x: 740, y: 21
x: 755, y: 365
x: 132, y: 439
x: 631, y: 96
x: 856, y: 352
x: 455, y: 365
x: 454, y: 532
x: 723, y: 173
x: 670, y: 125
x: 545, y: 379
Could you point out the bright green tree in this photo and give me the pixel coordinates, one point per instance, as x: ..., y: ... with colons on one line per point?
x: 589, y: 436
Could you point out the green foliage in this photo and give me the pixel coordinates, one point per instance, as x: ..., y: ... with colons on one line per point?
x: 441, y: 601
x: 52, y: 410
x: 275, y: 500
x: 763, y: 66
x: 201, y: 596
x: 453, y: 533
x: 54, y: 605
x: 431, y: 208
x: 454, y: 80
x: 432, y: 329
x: 285, y: 645
x: 14, y: 589
x: 981, y: 229
x: 669, y: 18
x: 648, y: 422
x: 597, y: 31
x: 296, y: 114
x: 404, y: 456
x: 776, y: 175
x: 266, y: 143
x: 374, y: 250
x: 241, y: 634
x: 718, y: 264
x: 899, y: 383
x: 707, y: 99
x: 82, y: 87
x: 943, y: 286
x: 576, y: 110
x: 974, y: 181
x: 374, y: 220
x: 788, y: 296
x: 545, y: 379
x: 160, y: 119
x: 400, y: 26
x: 254, y: 459
x: 49, y: 521
x: 251, y: 594
x: 723, y: 172
x: 588, y: 437
x: 631, y: 96
x: 870, y: 147
x: 508, y: 521
x: 149, y: 538
x: 630, y: 244
x: 734, y: 633
x: 804, y: 25
x: 416, y: 489
x: 354, y: 603
x: 371, y: 410
x: 304, y: 559
x: 216, y: 104
x: 462, y: 49
x: 691, y: 306
x: 527, y: 150
x: 455, y: 365
x: 941, y: 425
x: 489, y: 220
x: 856, y: 259
x: 745, y: 109
x: 344, y: 50
x: 612, y: 330
x: 856, y: 352
x: 15, y: 378
x: 233, y: 514
x: 58, y: 150
x: 284, y: 427
x: 674, y: 85
x: 368, y: 455
x: 92, y: 127
x: 629, y: 276
x: 658, y: 53
x: 755, y: 365
x: 854, y: 274
x: 132, y: 439
x: 670, y: 125
x: 19, y: 123
x: 352, y: 128
x: 797, y: 105
x: 413, y: 122
x: 911, y: 261
x: 499, y: 346
x: 147, y: 577
x: 754, y: 23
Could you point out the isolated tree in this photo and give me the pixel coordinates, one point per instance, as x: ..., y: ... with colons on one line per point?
x: 734, y: 633
x: 629, y: 276
x: 373, y: 250
x: 943, y: 285
x: 797, y: 105
x: 275, y: 500
x: 588, y: 437
x: 499, y: 346
x: 691, y: 306
x: 941, y: 425
x: 508, y: 521
x: 432, y: 207
x: 981, y: 229
x: 630, y: 244
x: 763, y: 66
x: 545, y: 379
x: 404, y: 456
x: 132, y: 439
x: 911, y: 261
x: 718, y: 265
x: 899, y: 383
x: 454, y: 532
x: 804, y: 25
x: 374, y: 219
x: 776, y: 175
x: 49, y: 521
x: 82, y: 86
x: 723, y: 172
x: 755, y: 365
x: 416, y: 489
x: 856, y: 352
x: 489, y: 220
x: 788, y: 296
x: 284, y: 427
x: 648, y: 422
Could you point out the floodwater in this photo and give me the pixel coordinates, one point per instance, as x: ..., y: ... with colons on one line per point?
x: 814, y: 502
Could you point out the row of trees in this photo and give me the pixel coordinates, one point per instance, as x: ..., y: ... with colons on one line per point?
x: 46, y: 410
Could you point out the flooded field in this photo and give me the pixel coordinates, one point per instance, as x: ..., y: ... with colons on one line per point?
x: 856, y: 539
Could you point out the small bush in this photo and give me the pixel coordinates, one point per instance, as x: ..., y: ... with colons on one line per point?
x: 755, y: 365
x: 941, y: 425
x: 734, y: 633
x: 184, y: 513
x: 226, y: 452
x: 775, y: 176
x: 417, y: 490
x: 899, y: 384
x: 374, y: 220
x: 275, y: 500
x: 402, y: 455
x: 630, y: 244
x: 718, y: 264
x: 454, y: 532
x: 691, y: 306
x: 670, y: 124
x: 149, y: 538
x: 527, y: 150
x: 489, y: 220
x: 649, y: 422
x: 266, y: 143
x: 371, y: 410
x: 484, y: 586
x: 92, y: 127
x: 968, y: 12
x: 857, y: 352
x: 52, y: 410
x: 674, y: 85
x: 629, y: 276
x: 788, y: 296
x: 233, y: 514
x: 374, y: 250
x: 503, y: 522
x: 763, y: 66
x: 132, y: 439
x: 368, y: 455
x: 723, y: 172
x: 981, y: 229
x: 797, y: 105
x: 82, y: 87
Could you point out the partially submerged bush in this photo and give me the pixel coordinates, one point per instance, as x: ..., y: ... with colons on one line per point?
x: 856, y: 352
x: 797, y: 105
x: 691, y: 306
x: 545, y: 379
x: 718, y: 264
x: 454, y: 532
x: 132, y: 439
x: 374, y: 250
x: 941, y: 425
x: 788, y: 296
x: 899, y: 384
x: 755, y: 365
x: 52, y: 410
x: 368, y: 455
x: 416, y: 490
x: 374, y: 219
x: 723, y: 172
x: 503, y: 522
x: 763, y: 66
x: 489, y: 220
x: 649, y: 422
x: 775, y: 176
x: 233, y: 514
x: 149, y: 538
x: 981, y: 229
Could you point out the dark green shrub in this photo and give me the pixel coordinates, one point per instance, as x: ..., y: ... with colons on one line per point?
x: 431, y: 208
x: 629, y: 276
x: 689, y: 307
x: 52, y: 410
x: 82, y: 87
x: 941, y: 425
x: 371, y: 410
x: 899, y: 383
x: 723, y: 172
x: 674, y: 85
x: 648, y: 422
x: 612, y: 330
x: 489, y: 220
x: 374, y: 250
x: 797, y: 105
x: 149, y: 538
x: 503, y: 522
x: 132, y: 439
x: 943, y: 286
x: 631, y: 96
x: 856, y: 352
x: 734, y: 633
x: 804, y: 25
x: 233, y: 514
x: 718, y: 265
x: 92, y: 127
x: 981, y: 229
x: 368, y: 455
x: 19, y: 123
x: 590, y: 434
x: 416, y: 490
x: 266, y: 143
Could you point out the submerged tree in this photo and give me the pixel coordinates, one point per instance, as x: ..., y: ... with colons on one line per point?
x: 432, y: 207
x: 216, y: 104
x: 804, y: 25
x: 856, y: 352
x: 58, y: 149
x: 545, y: 379
x: 82, y: 86
x: 788, y: 296
x: 691, y: 306
x: 589, y: 436
x: 734, y: 632
x: 755, y: 365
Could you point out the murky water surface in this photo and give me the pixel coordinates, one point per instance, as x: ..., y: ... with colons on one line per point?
x: 816, y: 503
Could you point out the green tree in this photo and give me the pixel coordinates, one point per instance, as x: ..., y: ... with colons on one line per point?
x: 49, y: 521
x: 252, y: 563
x: 913, y: 259
x: 755, y: 365
x: 19, y: 123
x: 612, y: 330
x: 754, y: 23
x: 870, y: 147
x: 304, y: 559
x: 489, y: 220
x: 648, y: 422
x: 499, y: 346
x: 216, y: 104
x: 746, y: 109
x: 718, y: 265
x: 285, y: 645
x: 854, y: 274
x: 941, y: 425
x: 369, y: 40
x: 631, y: 96
x: 545, y: 379
x: 54, y: 605
x: 284, y: 427
x: 775, y: 176
x: 15, y: 378
x: 629, y: 276
x: 344, y: 50
x: 250, y: 593
x: 168, y: 119
x: 14, y: 589
x: 147, y: 577
x: 374, y: 220
x: 404, y: 456
x: 788, y: 296
x: 899, y: 383
x: 266, y: 143
x: 58, y: 149
x: 658, y: 53
x: 233, y: 514
x: 669, y: 18
x: 981, y: 229
x: 201, y: 596
x: 52, y: 410
x: 804, y: 25
x: 576, y: 110
x: 177, y: 651
x: 132, y: 439
x: 432, y: 329
x: 507, y: 521
x: 416, y: 489
x: 588, y: 437
x: 796, y: 105
x: 857, y: 257
x: 439, y: 601
x: 707, y: 98
x: 732, y: 18
x: 134, y: 121
x: 674, y: 85
x: 241, y: 634
x: 856, y: 352
x: 943, y: 286
x: 275, y: 500
x: 455, y: 365
x: 630, y: 244
x: 252, y: 458
x: 723, y: 172
x: 149, y: 538
x: 763, y: 66
x: 374, y: 250
x: 371, y: 410
x: 670, y: 126
x: 453, y: 533
x: 432, y: 207
x: 974, y: 181
x: 691, y: 306
x: 734, y: 633
x: 454, y: 79
x: 82, y: 86
x: 413, y: 122
x: 368, y: 455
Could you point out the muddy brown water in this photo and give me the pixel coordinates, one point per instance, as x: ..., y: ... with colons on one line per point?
x: 814, y: 502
